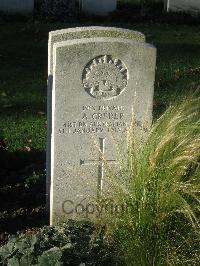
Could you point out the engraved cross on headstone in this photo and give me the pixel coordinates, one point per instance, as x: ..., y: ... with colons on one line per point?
x: 101, y: 165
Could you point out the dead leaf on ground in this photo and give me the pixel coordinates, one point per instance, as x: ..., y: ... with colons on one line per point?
x: 25, y: 148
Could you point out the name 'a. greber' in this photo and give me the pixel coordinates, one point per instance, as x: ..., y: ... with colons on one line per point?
x: 98, y: 116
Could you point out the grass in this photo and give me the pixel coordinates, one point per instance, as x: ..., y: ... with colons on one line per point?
x: 23, y: 73
x: 156, y: 221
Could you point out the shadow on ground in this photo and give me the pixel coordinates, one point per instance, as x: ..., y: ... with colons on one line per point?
x: 22, y: 192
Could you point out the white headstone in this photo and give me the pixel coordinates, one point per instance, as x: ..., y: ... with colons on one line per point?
x: 96, y: 7
x: 16, y: 6
x: 70, y: 34
x: 190, y: 6
x: 98, y: 84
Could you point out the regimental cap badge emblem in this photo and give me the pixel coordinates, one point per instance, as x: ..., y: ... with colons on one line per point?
x: 105, y: 77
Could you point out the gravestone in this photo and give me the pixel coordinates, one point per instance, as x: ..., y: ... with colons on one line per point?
x: 17, y: 6
x: 70, y: 34
x: 96, y: 7
x: 98, y: 84
x: 188, y: 6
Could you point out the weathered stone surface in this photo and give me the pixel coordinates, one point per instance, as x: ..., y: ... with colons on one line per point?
x: 190, y: 6
x: 70, y: 34
x: 96, y: 7
x: 98, y: 84
x: 16, y: 6
x: 88, y: 32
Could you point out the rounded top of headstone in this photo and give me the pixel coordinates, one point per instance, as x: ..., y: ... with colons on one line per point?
x: 98, y: 31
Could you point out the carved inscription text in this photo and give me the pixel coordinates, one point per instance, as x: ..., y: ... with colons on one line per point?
x: 97, y: 119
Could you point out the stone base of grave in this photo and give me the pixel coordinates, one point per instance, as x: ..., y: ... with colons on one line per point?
x: 102, y: 7
x: 186, y: 6
x: 17, y: 6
